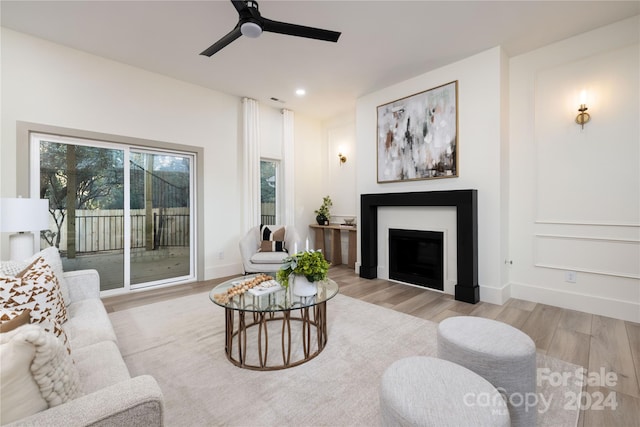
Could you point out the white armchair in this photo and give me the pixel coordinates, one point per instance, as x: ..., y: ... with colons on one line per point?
x: 256, y: 261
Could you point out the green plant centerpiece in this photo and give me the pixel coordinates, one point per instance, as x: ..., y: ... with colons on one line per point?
x: 310, y: 264
x: 322, y: 212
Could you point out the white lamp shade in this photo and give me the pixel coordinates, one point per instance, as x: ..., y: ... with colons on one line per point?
x: 19, y: 215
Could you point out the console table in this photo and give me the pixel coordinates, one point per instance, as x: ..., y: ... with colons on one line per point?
x: 334, y: 231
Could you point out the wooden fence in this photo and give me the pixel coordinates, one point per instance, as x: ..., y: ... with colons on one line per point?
x: 268, y: 213
x: 103, y: 230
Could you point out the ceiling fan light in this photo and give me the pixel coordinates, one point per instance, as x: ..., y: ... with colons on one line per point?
x: 251, y: 29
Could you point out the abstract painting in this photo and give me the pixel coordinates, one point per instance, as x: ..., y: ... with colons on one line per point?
x: 418, y: 136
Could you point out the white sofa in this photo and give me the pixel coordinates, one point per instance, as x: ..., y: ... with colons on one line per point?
x: 254, y: 261
x: 108, y: 395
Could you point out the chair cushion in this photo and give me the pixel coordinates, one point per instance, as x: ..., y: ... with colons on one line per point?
x: 88, y: 324
x: 268, y: 257
x: 107, y: 356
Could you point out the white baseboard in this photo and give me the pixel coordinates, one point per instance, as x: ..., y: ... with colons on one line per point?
x: 617, y: 309
x: 495, y: 295
x: 223, y: 271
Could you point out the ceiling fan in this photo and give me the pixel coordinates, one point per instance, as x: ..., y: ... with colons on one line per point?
x: 252, y: 24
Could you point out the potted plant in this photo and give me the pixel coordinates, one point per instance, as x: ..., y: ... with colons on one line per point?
x: 307, y: 268
x: 323, y: 213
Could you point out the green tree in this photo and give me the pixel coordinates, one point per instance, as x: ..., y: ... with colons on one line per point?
x: 267, y: 182
x: 96, y: 172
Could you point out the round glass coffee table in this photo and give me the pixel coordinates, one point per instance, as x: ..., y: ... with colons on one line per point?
x: 257, y: 318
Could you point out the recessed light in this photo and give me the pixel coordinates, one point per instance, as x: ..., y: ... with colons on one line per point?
x: 301, y: 92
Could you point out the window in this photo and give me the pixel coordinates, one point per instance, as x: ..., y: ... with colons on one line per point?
x: 123, y: 210
x: 269, y: 191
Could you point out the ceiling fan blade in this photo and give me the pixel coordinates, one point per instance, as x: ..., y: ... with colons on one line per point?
x: 240, y: 5
x: 299, y: 30
x: 234, y: 34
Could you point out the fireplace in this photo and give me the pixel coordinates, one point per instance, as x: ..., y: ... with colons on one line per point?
x: 417, y: 257
x: 466, y: 204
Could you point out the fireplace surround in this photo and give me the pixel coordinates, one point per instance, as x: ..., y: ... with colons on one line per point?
x: 466, y: 204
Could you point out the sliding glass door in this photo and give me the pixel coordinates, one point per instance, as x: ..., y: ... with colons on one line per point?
x: 160, y: 212
x: 121, y: 210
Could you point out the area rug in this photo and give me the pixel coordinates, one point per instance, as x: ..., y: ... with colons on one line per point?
x: 181, y: 343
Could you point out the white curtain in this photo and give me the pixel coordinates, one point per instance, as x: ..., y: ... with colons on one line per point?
x: 251, y: 161
x: 289, y: 207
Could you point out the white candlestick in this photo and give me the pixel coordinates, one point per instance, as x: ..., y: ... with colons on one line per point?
x: 295, y: 247
x: 307, y: 245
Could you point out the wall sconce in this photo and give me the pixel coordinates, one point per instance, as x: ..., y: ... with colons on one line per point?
x: 343, y: 158
x: 583, y: 117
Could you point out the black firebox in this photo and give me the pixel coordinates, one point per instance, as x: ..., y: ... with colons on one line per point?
x: 416, y: 257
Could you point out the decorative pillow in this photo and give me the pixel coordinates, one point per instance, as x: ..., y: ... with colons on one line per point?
x: 272, y: 240
x: 272, y: 246
x: 48, y: 366
x: 19, y: 392
x: 52, y: 257
x: 11, y: 319
x: 36, y: 288
x: 13, y: 268
x: 41, y: 277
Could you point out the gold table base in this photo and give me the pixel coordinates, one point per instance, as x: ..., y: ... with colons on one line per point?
x: 313, y: 322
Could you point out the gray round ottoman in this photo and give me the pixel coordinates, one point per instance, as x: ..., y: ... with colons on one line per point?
x: 425, y: 391
x: 500, y: 353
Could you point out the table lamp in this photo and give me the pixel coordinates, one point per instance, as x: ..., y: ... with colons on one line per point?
x: 22, y: 216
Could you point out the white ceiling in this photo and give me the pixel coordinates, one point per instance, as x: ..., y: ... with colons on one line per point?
x: 382, y: 42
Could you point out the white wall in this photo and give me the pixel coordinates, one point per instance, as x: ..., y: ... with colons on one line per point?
x: 552, y: 198
x: 339, y: 135
x: 50, y: 84
x: 479, y: 149
x: 271, y: 132
x: 575, y: 194
x: 310, y: 174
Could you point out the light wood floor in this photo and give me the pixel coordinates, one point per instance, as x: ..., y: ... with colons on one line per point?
x: 599, y: 344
